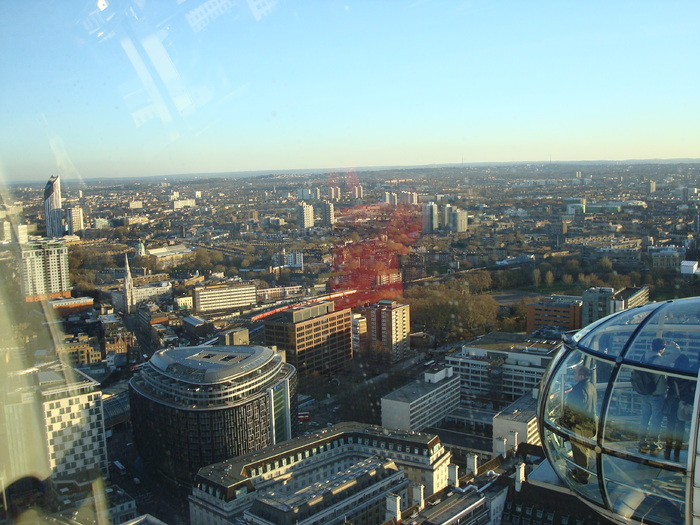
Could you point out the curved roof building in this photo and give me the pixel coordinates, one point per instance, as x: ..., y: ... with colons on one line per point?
x: 619, y: 414
x: 194, y: 406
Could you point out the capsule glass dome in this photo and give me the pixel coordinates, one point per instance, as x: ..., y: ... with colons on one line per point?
x: 619, y: 413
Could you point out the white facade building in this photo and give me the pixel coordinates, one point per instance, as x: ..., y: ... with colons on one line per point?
x: 388, y: 326
x: 44, y: 270
x: 501, y: 367
x: 223, y: 297
x: 422, y: 404
x: 75, y: 219
x: 305, y: 215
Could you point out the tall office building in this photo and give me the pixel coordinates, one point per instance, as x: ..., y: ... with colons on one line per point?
x: 328, y: 214
x: 501, y: 367
x: 388, y: 326
x: 52, y: 207
x: 359, y: 334
x: 194, y: 406
x: 305, y: 215
x: 422, y: 403
x: 75, y: 220
x: 429, y: 216
x: 315, y: 338
x: 44, y: 270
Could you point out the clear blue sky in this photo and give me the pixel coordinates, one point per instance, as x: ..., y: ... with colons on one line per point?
x: 129, y: 91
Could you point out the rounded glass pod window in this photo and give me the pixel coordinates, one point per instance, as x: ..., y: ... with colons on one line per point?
x: 618, y: 412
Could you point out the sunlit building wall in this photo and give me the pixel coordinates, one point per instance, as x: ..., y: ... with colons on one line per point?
x: 305, y: 215
x: 422, y: 403
x: 429, y: 216
x: 44, y: 270
x: 388, y: 326
x: 52, y: 207
x: 316, y: 338
x: 75, y: 220
x: 223, y: 297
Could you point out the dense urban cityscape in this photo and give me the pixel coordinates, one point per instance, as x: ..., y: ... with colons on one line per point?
x: 361, y: 346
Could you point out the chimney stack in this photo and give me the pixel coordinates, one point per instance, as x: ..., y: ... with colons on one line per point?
x: 393, y: 507
x: 472, y: 463
x: 418, y: 495
x: 519, y: 476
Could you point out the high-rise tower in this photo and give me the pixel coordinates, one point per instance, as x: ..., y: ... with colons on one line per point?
x: 52, y: 207
x: 328, y: 214
x: 429, y: 214
x: 44, y: 270
x: 388, y: 326
x: 75, y: 219
x: 305, y: 216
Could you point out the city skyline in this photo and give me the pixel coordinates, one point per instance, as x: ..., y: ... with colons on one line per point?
x: 158, y: 89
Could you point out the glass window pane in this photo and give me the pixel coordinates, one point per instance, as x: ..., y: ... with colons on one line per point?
x: 644, y: 492
x: 671, y: 338
x: 561, y: 451
x: 634, y: 420
x: 562, y: 386
x: 615, y: 331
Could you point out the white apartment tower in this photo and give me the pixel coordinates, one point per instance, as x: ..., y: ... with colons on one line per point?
x: 52, y: 207
x: 388, y: 326
x: 334, y: 193
x: 44, y: 270
x: 75, y: 220
x: 305, y: 215
x: 328, y: 214
x: 408, y: 197
x: 429, y: 216
x: 422, y: 403
x: 458, y: 220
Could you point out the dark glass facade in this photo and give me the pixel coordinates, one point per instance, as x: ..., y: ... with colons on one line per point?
x: 199, y: 406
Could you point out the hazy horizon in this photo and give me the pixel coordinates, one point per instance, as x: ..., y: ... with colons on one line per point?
x: 321, y: 171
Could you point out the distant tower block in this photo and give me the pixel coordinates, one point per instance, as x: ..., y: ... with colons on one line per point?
x: 52, y: 207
